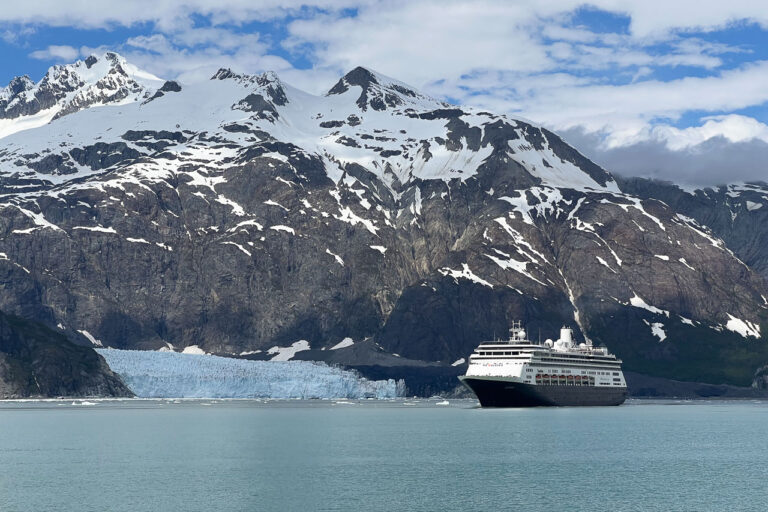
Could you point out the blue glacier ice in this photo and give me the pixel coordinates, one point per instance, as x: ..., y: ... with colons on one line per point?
x: 173, y: 375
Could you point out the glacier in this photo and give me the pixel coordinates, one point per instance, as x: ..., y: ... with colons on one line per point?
x: 174, y: 375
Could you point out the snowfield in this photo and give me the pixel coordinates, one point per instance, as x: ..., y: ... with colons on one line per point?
x: 174, y: 375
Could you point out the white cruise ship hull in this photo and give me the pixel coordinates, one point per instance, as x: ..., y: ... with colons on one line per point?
x: 506, y: 393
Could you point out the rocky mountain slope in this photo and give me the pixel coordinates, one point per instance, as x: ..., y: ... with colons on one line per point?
x: 736, y: 213
x: 241, y: 216
x: 36, y: 361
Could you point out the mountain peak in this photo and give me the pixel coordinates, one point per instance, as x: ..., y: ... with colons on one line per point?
x: 380, y: 92
x: 96, y: 67
x: 360, y: 76
x: 16, y: 86
x: 268, y: 81
x: 96, y: 80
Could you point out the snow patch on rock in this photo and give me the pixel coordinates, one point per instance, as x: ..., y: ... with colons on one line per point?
x: 637, y: 302
x: 89, y: 336
x: 464, y: 273
x: 743, y: 327
x: 193, y: 349
x: 287, y: 353
x: 346, y: 342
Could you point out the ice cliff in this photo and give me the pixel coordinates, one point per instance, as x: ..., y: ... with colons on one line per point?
x: 173, y: 375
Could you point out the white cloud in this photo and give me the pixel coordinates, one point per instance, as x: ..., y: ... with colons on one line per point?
x: 732, y: 127
x: 55, y: 52
x: 657, y: 18
x: 421, y: 41
x: 627, y: 111
x: 715, y: 161
x: 165, y: 14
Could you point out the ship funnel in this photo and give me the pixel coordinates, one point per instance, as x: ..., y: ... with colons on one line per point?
x: 566, y: 335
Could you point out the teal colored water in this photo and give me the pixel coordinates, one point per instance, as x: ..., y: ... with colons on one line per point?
x: 307, y: 456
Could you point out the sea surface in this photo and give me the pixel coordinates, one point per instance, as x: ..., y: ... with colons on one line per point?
x: 414, y: 455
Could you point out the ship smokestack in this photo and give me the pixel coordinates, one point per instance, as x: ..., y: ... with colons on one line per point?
x: 566, y: 335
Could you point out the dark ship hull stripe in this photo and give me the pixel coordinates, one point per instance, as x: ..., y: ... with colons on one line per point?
x: 500, y: 393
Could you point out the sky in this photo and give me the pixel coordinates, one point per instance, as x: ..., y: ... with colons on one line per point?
x: 675, y: 90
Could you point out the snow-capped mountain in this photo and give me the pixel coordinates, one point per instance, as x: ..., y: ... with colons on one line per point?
x: 108, y: 80
x: 244, y: 216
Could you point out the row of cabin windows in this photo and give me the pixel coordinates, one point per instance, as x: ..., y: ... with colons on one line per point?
x: 565, y: 380
x: 588, y: 373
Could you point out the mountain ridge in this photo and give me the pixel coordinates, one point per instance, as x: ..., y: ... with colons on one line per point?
x: 242, y: 215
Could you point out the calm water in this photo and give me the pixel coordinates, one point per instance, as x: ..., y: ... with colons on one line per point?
x: 306, y: 456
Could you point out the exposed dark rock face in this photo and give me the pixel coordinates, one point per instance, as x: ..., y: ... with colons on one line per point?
x: 736, y: 213
x: 36, y: 361
x: 169, y: 86
x: 416, y: 227
x: 761, y: 378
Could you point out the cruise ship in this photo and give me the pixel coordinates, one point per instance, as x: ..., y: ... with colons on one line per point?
x: 520, y: 373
